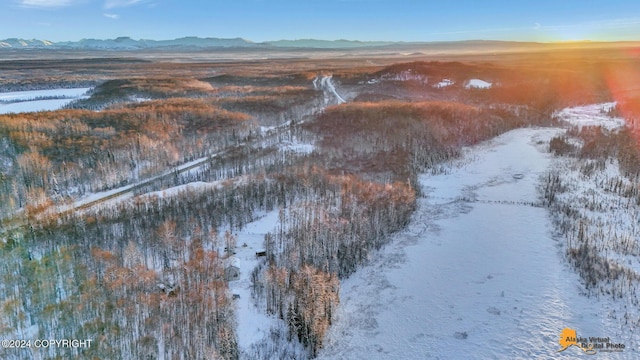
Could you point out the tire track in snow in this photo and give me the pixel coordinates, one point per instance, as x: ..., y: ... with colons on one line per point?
x: 326, y: 84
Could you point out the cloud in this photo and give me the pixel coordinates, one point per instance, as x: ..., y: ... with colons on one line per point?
x: 110, y: 4
x: 46, y: 3
x: 112, y: 16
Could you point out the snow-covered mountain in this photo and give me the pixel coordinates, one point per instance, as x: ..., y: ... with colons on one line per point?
x: 24, y: 43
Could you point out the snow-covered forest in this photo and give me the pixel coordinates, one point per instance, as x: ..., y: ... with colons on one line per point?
x: 250, y: 210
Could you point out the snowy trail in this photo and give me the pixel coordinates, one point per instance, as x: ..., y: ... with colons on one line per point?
x: 253, y: 323
x: 471, y: 280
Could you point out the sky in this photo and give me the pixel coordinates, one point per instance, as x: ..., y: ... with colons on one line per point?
x: 366, y: 20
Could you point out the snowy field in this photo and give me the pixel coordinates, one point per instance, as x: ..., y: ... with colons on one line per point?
x: 39, y: 100
x: 477, y: 275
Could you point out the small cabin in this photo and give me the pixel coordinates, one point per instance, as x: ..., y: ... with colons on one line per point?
x: 231, y: 273
x: 261, y: 253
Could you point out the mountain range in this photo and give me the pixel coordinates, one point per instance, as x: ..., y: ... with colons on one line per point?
x: 127, y: 43
x: 198, y: 43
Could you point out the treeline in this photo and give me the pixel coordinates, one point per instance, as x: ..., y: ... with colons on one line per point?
x: 118, y: 91
x: 45, y: 84
x: 599, y: 143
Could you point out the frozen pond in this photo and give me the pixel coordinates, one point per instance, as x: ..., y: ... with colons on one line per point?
x: 39, y: 100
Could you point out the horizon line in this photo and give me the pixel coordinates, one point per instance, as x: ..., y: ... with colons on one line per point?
x: 333, y: 40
